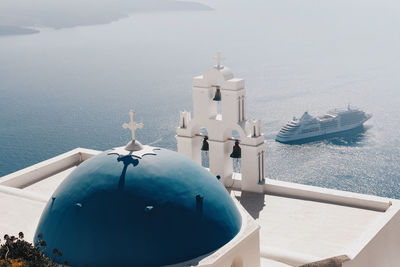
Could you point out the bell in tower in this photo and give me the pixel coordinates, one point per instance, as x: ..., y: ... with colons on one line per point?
x: 204, y: 149
x: 205, y: 146
x: 237, y: 151
x: 236, y: 155
x: 217, y: 96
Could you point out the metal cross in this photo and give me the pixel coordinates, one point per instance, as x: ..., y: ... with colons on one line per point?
x: 219, y: 59
x: 132, y: 125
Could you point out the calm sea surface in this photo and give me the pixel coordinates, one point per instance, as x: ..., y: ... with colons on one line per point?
x: 62, y: 89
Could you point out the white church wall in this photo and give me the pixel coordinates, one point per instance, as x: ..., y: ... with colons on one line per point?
x: 247, y: 253
x: 219, y: 165
x: 190, y: 147
x: 253, y: 167
x: 220, y: 124
x: 203, y: 106
x: 231, y: 103
x: 380, y: 247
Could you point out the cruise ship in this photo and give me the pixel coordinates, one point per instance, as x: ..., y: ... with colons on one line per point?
x: 334, y: 122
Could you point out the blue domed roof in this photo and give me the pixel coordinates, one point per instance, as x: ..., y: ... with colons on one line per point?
x: 156, y: 210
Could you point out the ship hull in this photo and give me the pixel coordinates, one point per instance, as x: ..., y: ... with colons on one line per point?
x: 352, y: 131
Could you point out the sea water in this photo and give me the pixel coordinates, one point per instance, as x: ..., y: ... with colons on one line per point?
x: 68, y: 88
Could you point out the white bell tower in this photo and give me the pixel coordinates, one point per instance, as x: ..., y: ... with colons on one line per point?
x: 221, y: 113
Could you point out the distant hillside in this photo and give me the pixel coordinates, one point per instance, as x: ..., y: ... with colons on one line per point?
x: 16, y: 15
x: 15, y: 30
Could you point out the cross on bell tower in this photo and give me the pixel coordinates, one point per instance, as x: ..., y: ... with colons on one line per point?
x: 133, y: 145
x: 219, y: 59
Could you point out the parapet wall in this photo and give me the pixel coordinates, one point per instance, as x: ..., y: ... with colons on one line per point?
x: 47, y: 168
x: 313, y: 193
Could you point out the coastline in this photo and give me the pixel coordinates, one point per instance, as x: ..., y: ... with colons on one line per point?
x: 64, y: 15
x: 7, y: 30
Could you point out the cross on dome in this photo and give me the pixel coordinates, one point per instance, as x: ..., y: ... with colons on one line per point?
x: 132, y: 125
x: 219, y: 59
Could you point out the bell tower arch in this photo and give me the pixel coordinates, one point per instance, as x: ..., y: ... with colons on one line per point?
x: 219, y: 106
